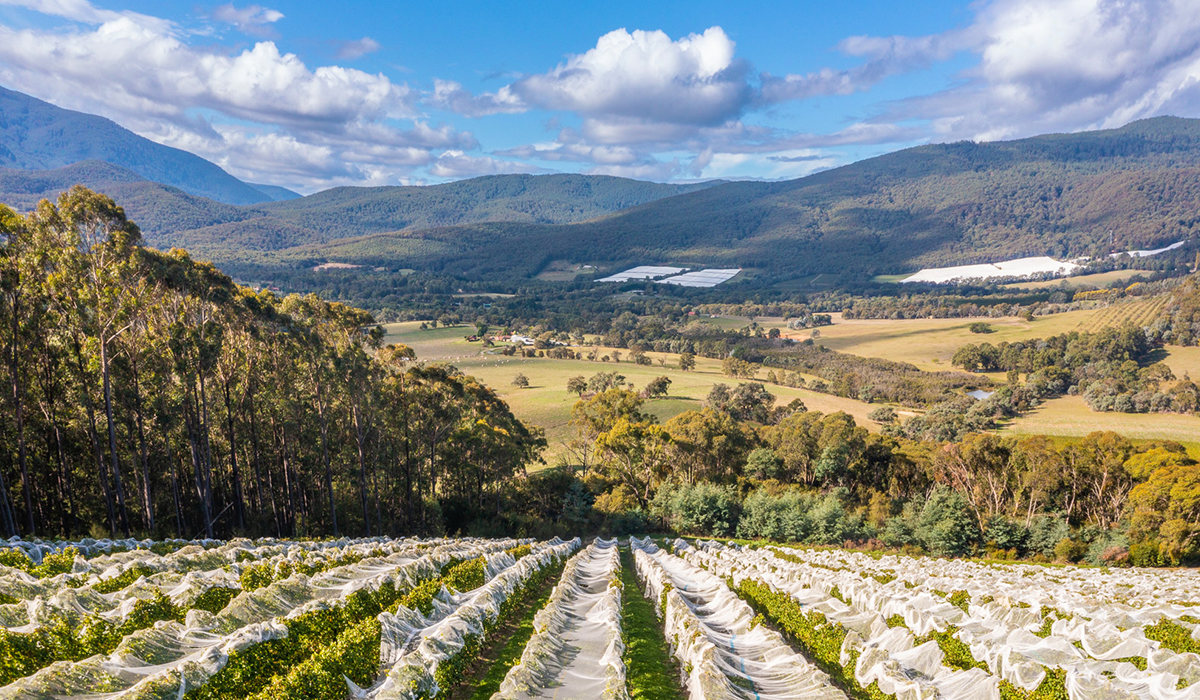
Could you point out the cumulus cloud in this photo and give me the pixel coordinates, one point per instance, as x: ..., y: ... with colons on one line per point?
x: 350, y: 50
x: 456, y: 164
x: 291, y: 123
x: 252, y: 19
x: 1066, y: 66
x: 451, y: 96
x: 647, y: 76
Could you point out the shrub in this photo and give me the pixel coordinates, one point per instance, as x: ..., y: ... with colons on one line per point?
x: 703, y: 508
x: 946, y: 527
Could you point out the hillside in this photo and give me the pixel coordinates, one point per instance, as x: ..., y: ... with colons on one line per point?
x: 152, y: 205
x: 344, y: 212
x: 1058, y: 195
x: 36, y: 135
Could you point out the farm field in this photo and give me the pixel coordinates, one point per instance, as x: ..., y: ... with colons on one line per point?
x: 1069, y: 416
x: 407, y: 619
x: 926, y: 627
x: 546, y: 402
x: 930, y: 343
x: 270, y: 618
x: 1099, y: 280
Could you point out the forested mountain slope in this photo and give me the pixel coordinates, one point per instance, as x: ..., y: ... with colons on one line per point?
x: 36, y: 135
x: 1061, y: 195
x: 344, y: 212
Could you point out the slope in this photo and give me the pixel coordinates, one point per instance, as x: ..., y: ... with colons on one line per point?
x: 38, y: 135
x: 344, y: 212
x: 1059, y: 195
x: 155, y: 207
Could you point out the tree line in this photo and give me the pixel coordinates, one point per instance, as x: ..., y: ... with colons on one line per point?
x: 147, y: 392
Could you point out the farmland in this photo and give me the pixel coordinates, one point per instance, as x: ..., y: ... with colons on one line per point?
x: 546, y: 402
x: 928, y: 344
x: 391, y: 619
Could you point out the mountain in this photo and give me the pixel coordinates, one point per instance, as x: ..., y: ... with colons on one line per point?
x: 36, y: 135
x: 344, y: 212
x: 1061, y: 195
x: 152, y: 205
x: 275, y: 192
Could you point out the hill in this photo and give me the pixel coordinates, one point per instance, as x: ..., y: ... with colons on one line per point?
x: 1060, y: 195
x: 36, y: 135
x: 152, y: 205
x: 344, y: 212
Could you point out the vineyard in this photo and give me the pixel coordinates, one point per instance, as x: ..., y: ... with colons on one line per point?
x: 410, y: 619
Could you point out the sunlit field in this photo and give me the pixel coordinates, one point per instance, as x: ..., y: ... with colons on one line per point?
x: 546, y: 402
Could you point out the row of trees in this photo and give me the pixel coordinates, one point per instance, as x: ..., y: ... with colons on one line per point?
x: 146, y: 392
x: 987, y: 492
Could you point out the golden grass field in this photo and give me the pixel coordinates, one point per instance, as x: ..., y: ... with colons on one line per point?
x: 546, y: 402
x: 927, y: 343
x: 1099, y: 280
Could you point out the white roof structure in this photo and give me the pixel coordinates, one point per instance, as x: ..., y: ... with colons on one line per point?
x: 1148, y: 253
x: 642, y: 272
x: 1020, y: 267
x: 702, y: 278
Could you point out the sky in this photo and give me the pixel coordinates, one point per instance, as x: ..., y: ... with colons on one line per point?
x: 311, y: 95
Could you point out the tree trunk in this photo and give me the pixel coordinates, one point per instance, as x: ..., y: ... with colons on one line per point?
x: 112, y: 436
x: 18, y: 406
x: 238, y: 503
x: 94, y: 436
x: 325, y: 457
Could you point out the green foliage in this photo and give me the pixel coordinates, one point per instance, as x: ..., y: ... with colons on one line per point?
x: 127, y: 577
x: 650, y: 670
x: 700, y: 508
x: 1173, y: 636
x: 960, y: 599
x: 466, y: 576
x: 215, y: 599
x: 354, y: 655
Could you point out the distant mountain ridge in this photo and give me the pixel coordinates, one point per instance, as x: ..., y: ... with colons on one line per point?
x: 36, y: 135
x: 1061, y: 195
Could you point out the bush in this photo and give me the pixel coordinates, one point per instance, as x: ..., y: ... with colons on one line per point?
x: 946, y: 527
x: 1003, y: 533
x: 1045, y: 532
x: 703, y: 509
x: 1069, y: 550
x: 981, y: 327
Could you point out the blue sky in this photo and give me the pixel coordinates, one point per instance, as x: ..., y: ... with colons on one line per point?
x: 310, y: 95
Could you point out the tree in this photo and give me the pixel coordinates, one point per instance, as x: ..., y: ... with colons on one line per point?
x: 658, y: 387
x: 520, y: 381
x: 706, y: 445
x: 884, y: 414
x: 577, y: 385
x: 687, y: 362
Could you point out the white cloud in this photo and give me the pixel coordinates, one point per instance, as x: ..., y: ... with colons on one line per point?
x: 293, y: 124
x: 451, y: 96
x: 647, y: 76
x: 1067, y: 65
x: 456, y: 164
x: 252, y: 19
x: 350, y: 50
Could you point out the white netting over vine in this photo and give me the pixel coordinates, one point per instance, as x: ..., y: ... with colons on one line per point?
x: 415, y: 646
x: 162, y: 662
x: 183, y: 576
x: 576, y: 647
x: 713, y: 634
x: 1019, y: 622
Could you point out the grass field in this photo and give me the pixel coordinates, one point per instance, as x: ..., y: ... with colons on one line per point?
x: 930, y: 343
x: 1069, y: 416
x: 1099, y: 280
x: 546, y: 402
x: 927, y: 343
